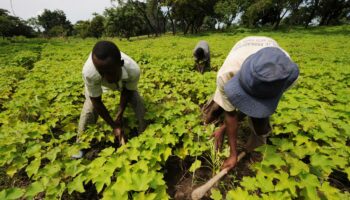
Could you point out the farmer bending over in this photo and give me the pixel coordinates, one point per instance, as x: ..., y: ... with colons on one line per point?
x: 250, y: 83
x: 107, y: 68
x: 201, y: 56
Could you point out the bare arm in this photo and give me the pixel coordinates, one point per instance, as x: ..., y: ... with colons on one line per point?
x: 219, y: 137
x: 124, y: 98
x: 231, y: 122
x: 102, y: 111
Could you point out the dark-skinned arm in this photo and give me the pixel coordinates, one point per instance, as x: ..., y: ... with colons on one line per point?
x: 124, y: 98
x: 231, y: 122
x: 102, y: 111
x: 219, y: 137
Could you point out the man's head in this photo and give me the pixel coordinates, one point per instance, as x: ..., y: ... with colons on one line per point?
x: 107, y: 60
x: 199, y: 58
x: 198, y: 54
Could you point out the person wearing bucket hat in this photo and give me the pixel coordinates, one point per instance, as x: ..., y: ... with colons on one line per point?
x: 250, y: 83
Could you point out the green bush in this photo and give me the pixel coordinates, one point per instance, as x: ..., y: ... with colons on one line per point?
x: 26, y: 59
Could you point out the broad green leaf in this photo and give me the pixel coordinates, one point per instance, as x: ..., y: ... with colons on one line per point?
x: 239, y: 193
x: 143, y: 196
x: 270, y: 156
x: 76, y: 185
x: 264, y: 182
x: 249, y: 183
x: 296, y: 166
x: 140, y: 181
x: 301, y: 139
x: 215, y: 194
x: 33, y: 167
x: 322, y: 162
x: 14, y: 193
x: 347, y: 170
x: 107, y: 152
x: 11, y: 170
x: 157, y: 181
x: 282, y: 144
x: 34, y: 189
x: 195, y: 165
x: 52, y: 154
x: 308, y: 180
x: 33, y: 150
x: 310, y: 192
x: 73, y: 167
x: 286, y: 183
x: 3, y: 194
x: 330, y: 192
x: 276, y: 196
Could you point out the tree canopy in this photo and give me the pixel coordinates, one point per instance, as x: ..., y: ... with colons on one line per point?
x: 129, y: 18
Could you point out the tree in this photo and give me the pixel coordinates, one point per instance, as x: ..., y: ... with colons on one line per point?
x: 297, y: 13
x: 331, y: 11
x: 82, y: 29
x: 270, y: 12
x: 312, y: 7
x: 124, y: 21
x: 13, y: 26
x: 96, y: 27
x: 226, y: 11
x: 55, y: 19
x: 151, y: 13
x: 34, y: 23
x: 168, y: 4
x: 191, y: 13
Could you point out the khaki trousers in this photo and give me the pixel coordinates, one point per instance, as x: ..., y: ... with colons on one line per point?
x: 89, y: 116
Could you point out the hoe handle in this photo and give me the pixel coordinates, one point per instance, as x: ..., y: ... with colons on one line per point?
x: 200, y: 191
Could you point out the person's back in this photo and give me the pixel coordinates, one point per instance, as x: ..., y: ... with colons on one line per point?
x: 253, y: 78
x: 201, y: 54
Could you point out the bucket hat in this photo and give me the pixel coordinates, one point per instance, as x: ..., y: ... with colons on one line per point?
x: 258, y: 86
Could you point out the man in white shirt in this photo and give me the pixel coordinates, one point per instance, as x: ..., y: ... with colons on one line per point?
x: 250, y: 83
x: 107, y: 68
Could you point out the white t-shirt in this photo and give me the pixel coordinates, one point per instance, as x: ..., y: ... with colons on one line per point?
x: 95, y: 85
x: 233, y: 63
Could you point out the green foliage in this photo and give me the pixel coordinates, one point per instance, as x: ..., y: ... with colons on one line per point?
x: 26, y: 59
x: 13, y: 26
x: 39, y: 121
x: 55, y: 23
x: 94, y: 28
x: 124, y: 21
x: 81, y: 29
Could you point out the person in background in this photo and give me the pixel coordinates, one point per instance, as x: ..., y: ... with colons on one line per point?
x: 107, y: 68
x: 250, y: 83
x: 201, y: 54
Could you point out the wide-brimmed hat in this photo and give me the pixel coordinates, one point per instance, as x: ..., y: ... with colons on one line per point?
x: 257, y: 88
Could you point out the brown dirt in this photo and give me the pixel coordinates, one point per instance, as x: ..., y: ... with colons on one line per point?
x: 181, y: 182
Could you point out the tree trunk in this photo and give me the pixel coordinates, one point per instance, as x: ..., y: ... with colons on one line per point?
x: 148, y: 21
x: 173, y: 25
x: 313, y: 12
x: 172, y: 21
x: 279, y: 19
x: 187, y: 27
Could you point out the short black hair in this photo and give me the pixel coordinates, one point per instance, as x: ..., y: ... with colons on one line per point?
x: 199, y: 53
x: 106, y: 49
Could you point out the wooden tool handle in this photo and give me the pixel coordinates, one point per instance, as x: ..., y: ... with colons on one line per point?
x: 200, y: 191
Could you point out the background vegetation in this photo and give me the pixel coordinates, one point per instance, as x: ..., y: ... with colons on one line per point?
x: 129, y: 18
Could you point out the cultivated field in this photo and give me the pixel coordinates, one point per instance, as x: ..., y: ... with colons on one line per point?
x: 41, y: 96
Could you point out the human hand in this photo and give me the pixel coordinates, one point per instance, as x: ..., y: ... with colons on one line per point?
x: 218, y: 138
x: 230, y: 163
x: 118, y: 133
